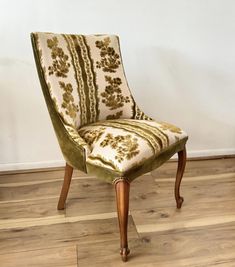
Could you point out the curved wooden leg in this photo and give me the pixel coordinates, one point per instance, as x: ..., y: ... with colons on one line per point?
x: 65, y: 188
x: 122, y: 188
x: 180, y: 171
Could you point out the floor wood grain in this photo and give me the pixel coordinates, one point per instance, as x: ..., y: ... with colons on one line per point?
x: 194, y: 247
x: 59, y: 257
x: 201, y: 234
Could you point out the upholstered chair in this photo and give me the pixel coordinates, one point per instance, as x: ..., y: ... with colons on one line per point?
x: 100, y: 128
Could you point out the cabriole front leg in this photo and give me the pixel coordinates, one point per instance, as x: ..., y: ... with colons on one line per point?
x: 122, y: 188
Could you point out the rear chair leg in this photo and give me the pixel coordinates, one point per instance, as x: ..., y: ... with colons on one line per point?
x: 180, y: 171
x: 122, y: 188
x: 65, y: 188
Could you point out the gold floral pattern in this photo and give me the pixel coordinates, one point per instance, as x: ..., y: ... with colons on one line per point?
x: 125, y: 146
x: 166, y: 126
x: 117, y: 115
x: 91, y: 136
x: 60, y: 65
x: 68, y: 100
x: 112, y: 96
x: 110, y: 60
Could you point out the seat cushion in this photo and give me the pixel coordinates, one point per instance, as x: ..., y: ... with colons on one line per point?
x: 123, y: 144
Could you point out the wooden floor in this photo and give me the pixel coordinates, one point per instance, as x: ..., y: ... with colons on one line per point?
x: 33, y: 233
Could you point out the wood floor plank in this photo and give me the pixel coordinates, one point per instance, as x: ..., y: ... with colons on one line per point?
x: 156, y: 194
x: 61, y: 234
x: 50, y: 187
x: 193, y: 215
x: 38, y: 176
x: 59, y: 257
x: 199, y: 247
x: 32, y: 191
x: 195, y: 168
x: 206, y: 202
x: 30, y: 176
x: 200, y: 177
x: 52, y: 220
x: 86, y: 197
x: 29, y: 209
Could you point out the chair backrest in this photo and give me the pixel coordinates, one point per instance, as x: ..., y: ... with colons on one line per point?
x: 85, y: 77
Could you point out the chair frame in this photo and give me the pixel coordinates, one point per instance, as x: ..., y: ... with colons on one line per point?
x: 122, y: 188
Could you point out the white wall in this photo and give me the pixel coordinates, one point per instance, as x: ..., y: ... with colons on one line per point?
x: 179, y: 58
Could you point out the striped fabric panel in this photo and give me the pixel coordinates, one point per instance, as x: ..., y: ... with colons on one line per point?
x: 157, y: 139
x: 93, y: 70
x: 78, y: 76
x: 147, y: 133
x: 154, y: 143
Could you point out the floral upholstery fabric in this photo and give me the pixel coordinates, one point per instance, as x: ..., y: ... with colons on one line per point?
x: 123, y: 144
x: 85, y: 77
x: 97, y: 122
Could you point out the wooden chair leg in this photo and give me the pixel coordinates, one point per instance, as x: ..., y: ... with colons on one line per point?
x: 65, y: 188
x: 180, y: 171
x: 122, y: 188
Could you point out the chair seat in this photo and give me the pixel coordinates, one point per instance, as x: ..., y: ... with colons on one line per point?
x: 123, y: 144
